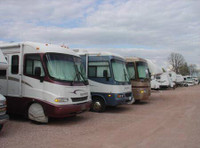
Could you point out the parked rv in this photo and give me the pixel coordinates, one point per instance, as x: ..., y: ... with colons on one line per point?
x: 43, y: 81
x: 155, y: 70
x: 172, y: 75
x: 165, y: 80
x: 188, y: 81
x: 154, y: 83
x: 3, y: 116
x: 179, y: 80
x: 108, y: 79
x: 140, y: 77
x: 196, y: 80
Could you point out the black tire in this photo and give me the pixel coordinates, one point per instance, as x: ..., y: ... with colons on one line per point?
x: 1, y: 126
x: 98, y: 105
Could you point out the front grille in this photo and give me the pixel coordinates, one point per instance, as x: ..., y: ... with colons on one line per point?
x: 79, y: 99
x: 128, y: 94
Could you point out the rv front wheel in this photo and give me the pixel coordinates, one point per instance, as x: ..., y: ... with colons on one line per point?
x: 36, y: 113
x: 98, y: 105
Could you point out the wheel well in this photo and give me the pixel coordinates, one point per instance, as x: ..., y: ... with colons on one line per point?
x: 98, y: 97
x: 29, y: 104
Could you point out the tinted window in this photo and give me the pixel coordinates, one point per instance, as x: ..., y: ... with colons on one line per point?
x: 31, y: 63
x: 131, y: 70
x: 15, y: 64
x: 95, y: 69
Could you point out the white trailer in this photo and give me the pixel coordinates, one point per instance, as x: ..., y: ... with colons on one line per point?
x: 188, y: 81
x: 154, y: 71
x: 165, y: 80
x: 108, y: 78
x: 179, y: 80
x: 3, y: 116
x: 44, y: 80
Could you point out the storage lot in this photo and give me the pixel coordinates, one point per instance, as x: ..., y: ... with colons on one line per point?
x: 171, y: 118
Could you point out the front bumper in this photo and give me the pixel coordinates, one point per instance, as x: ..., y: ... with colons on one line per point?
x: 114, y: 100
x: 141, y: 93
x: 3, y: 118
x: 60, y: 111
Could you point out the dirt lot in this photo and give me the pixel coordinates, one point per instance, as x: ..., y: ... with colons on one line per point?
x: 171, y: 118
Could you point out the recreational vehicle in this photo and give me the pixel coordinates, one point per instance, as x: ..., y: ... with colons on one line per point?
x: 43, y: 81
x: 179, y: 80
x: 3, y: 116
x: 188, y: 81
x: 196, y: 80
x: 108, y: 79
x: 165, y: 80
x: 140, y: 77
x: 154, y: 71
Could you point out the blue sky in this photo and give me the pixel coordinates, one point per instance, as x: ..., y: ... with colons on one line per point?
x: 149, y: 29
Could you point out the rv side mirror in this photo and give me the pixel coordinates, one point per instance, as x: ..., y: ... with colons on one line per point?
x: 105, y: 74
x: 38, y: 71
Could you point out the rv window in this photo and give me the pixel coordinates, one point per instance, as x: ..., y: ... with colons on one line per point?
x: 142, y: 69
x: 95, y: 69
x: 131, y: 70
x: 15, y: 64
x: 31, y: 62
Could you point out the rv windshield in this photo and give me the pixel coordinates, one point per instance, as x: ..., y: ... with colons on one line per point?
x: 65, y: 67
x: 119, y: 71
x: 143, y: 72
x: 131, y: 70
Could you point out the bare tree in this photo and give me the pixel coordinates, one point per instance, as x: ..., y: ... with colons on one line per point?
x: 193, y: 69
x: 177, y: 61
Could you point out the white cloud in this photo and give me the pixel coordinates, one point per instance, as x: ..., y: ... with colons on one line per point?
x: 158, y: 27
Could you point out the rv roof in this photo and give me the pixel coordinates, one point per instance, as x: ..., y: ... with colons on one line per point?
x: 98, y: 53
x: 41, y: 47
x: 133, y: 59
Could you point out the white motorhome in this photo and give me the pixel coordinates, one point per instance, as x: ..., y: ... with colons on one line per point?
x: 179, y: 80
x: 108, y: 79
x: 44, y: 80
x: 154, y: 71
x: 196, y: 80
x: 165, y: 80
x: 172, y: 76
x: 3, y: 116
x: 188, y: 81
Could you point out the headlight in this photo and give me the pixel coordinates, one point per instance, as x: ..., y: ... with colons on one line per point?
x: 61, y: 100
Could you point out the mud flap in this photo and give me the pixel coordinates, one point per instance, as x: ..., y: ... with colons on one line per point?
x: 36, y: 113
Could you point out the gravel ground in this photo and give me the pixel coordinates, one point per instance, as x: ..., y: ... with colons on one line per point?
x: 170, y: 119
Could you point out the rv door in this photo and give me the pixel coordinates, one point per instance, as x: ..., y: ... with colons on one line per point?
x: 14, y: 76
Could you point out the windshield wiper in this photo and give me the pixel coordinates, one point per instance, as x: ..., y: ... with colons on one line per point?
x: 84, y: 80
x: 78, y: 74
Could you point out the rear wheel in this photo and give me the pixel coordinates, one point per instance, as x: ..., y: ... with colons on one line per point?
x: 36, y: 113
x: 98, y: 105
x: 1, y: 126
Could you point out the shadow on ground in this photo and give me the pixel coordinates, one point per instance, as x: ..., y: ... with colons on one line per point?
x: 118, y: 109
x: 141, y: 102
